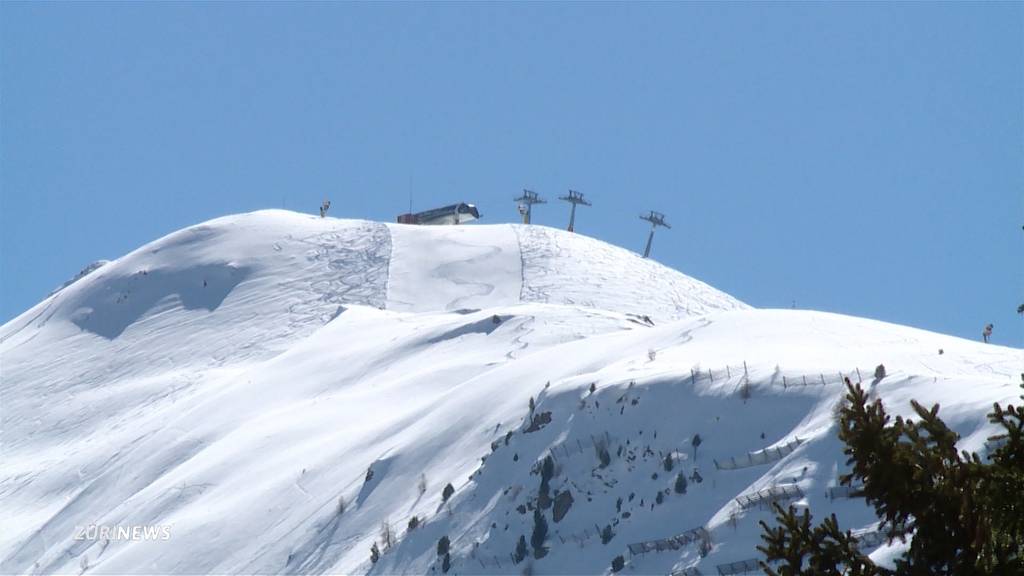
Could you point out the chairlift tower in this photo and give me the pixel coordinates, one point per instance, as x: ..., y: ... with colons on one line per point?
x: 526, y: 202
x: 656, y: 219
x: 574, y: 198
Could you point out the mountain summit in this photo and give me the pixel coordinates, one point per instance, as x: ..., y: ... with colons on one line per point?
x: 279, y: 393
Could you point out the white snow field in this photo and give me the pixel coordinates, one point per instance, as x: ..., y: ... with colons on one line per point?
x: 271, y: 388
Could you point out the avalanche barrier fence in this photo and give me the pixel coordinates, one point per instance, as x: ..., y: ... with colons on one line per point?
x: 776, y: 493
x: 742, y: 567
x: 759, y: 457
x: 674, y: 543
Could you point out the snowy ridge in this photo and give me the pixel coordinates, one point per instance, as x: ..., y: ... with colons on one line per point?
x: 562, y: 268
x: 236, y: 380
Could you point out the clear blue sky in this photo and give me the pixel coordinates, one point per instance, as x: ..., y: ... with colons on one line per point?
x: 862, y: 158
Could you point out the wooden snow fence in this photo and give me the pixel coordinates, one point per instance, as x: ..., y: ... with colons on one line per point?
x: 765, y: 456
x: 874, y: 537
x: 742, y: 567
x: 787, y: 381
x: 765, y: 496
x: 569, y: 449
x: 870, y: 539
x: 723, y: 374
x: 834, y: 492
x: 674, y: 543
x: 822, y: 379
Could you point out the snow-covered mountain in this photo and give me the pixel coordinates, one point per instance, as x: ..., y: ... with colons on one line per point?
x: 267, y: 390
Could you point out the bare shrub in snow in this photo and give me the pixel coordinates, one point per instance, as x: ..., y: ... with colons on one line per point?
x: 387, y: 535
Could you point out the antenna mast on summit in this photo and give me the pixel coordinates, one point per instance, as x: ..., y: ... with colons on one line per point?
x: 574, y: 198
x: 526, y: 202
x: 656, y: 219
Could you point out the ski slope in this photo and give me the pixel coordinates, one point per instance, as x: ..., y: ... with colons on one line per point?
x: 453, y: 268
x: 235, y: 381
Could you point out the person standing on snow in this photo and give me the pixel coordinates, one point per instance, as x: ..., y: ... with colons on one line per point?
x: 985, y: 334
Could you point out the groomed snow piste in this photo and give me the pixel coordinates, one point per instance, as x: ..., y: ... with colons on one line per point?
x: 234, y: 382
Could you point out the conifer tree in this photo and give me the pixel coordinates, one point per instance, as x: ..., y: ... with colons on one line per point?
x: 680, y: 486
x: 443, y: 545
x: 520, y: 549
x: 962, y: 515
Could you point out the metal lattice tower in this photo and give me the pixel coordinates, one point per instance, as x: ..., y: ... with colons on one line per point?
x: 526, y: 202
x: 656, y: 219
x: 574, y: 198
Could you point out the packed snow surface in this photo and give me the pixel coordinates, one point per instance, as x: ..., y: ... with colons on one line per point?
x: 269, y: 390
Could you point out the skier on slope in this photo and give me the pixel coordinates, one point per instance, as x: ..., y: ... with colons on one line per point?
x: 987, y: 332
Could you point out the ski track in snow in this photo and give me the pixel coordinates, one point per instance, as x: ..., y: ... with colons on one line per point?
x: 452, y: 268
x: 349, y: 345
x: 358, y: 260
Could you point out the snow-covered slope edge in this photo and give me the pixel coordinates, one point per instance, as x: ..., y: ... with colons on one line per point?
x: 241, y: 424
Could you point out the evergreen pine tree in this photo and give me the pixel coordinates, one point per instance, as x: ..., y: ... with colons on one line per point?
x: 520, y: 549
x: 443, y: 545
x: 680, y: 486
x: 966, y: 516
